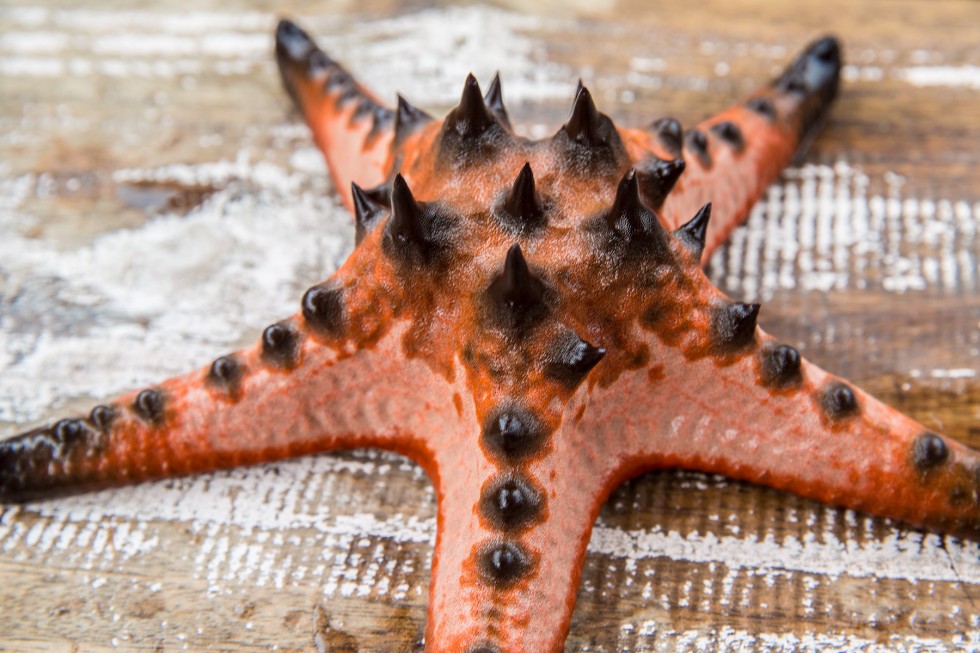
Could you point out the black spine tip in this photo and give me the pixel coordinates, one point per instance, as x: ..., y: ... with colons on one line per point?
x: 510, y: 503
x: 280, y: 346
x: 323, y: 309
x: 781, y: 367
x: 408, y: 119
x: 226, y: 374
x: 730, y: 133
x: 416, y: 233
x: 471, y: 117
x: 657, y: 178
x: 734, y: 326
x: 670, y: 133
x: 628, y: 218
x: 585, y: 124
x: 367, y: 213
x: 839, y: 401
x: 517, y: 292
x: 292, y: 42
x: 149, y: 405
x: 572, y: 360
x: 512, y: 433
x: 521, y: 203
x: 697, y: 143
x: 494, y: 100
x: 694, y: 232
x: 502, y: 564
x: 405, y: 211
x: 929, y: 450
x: 762, y: 106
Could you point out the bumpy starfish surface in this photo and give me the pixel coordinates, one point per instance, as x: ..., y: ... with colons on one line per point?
x: 529, y: 321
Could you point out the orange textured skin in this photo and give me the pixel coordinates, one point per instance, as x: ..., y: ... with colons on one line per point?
x: 518, y: 321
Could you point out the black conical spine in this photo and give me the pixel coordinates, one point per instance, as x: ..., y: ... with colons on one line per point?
x: 494, y: 100
x: 670, y: 133
x: 733, y: 325
x: 694, y: 232
x: 517, y: 293
x: 521, y: 204
x: 629, y: 219
x: 585, y: 124
x: 573, y: 359
x: 657, y: 178
x: 408, y: 118
x: 367, y: 213
x: 471, y: 117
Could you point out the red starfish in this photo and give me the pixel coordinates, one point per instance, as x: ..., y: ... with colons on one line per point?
x: 532, y: 333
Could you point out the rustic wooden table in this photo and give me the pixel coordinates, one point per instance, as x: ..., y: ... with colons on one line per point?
x: 159, y: 203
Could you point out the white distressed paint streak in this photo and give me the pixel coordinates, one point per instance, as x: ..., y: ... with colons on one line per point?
x: 251, y: 501
x: 821, y: 229
x: 950, y: 76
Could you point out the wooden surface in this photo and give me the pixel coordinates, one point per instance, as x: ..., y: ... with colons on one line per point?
x: 159, y: 203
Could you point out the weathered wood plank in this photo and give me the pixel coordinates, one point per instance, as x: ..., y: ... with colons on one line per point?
x: 152, y: 176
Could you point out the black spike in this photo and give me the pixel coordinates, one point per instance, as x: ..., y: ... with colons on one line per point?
x: 292, y: 42
x: 628, y: 218
x: 657, y: 178
x: 471, y: 117
x: 693, y: 232
x: 731, y: 133
x: 517, y: 293
x: 670, y: 133
x: 733, y: 326
x: 416, y: 231
x: 585, y: 124
x: 408, y: 118
x: 380, y: 195
x: 572, y: 359
x: 494, y: 100
x: 367, y: 212
x: 521, y: 202
x: 67, y: 433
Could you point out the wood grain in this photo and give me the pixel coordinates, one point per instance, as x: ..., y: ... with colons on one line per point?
x: 336, y: 548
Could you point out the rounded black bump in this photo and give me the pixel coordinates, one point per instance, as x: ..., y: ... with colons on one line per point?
x: 929, y: 451
x: 68, y: 432
x: 483, y: 648
x: 670, y: 133
x: 226, y: 372
x: 149, y: 405
x: 781, y: 366
x: 513, y: 433
x: 762, y: 106
x: 101, y: 417
x: 839, y: 401
x: 502, y: 564
x: 730, y: 133
x: 510, y: 503
x: 323, y: 309
x: 280, y: 346
x: 696, y: 142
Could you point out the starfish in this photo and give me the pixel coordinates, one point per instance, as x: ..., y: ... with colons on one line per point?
x: 529, y: 322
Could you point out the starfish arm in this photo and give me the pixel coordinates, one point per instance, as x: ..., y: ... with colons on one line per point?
x: 731, y: 158
x: 510, y: 548
x: 350, y: 126
x: 287, y: 396
x: 766, y: 416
